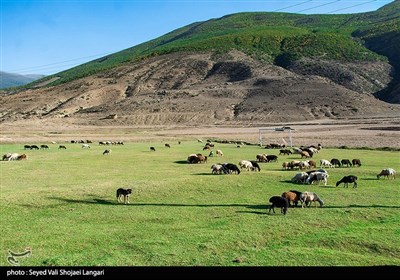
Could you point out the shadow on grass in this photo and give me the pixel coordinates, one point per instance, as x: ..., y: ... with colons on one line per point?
x: 109, y: 202
x: 181, y: 162
x: 249, y: 206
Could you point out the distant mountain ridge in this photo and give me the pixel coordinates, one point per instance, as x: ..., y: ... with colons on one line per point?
x: 12, y: 79
x: 240, y: 69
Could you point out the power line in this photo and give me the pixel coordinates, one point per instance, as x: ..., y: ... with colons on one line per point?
x: 326, y: 4
x: 351, y: 6
x: 292, y: 6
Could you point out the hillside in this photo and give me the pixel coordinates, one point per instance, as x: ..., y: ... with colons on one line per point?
x: 12, y: 80
x: 246, y: 68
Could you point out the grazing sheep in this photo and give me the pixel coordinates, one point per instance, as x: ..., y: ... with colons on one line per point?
x: 285, y: 165
x: 356, y: 161
x: 62, y: 147
x: 304, y: 165
x: 348, y: 179
x: 305, y: 154
x: 291, y: 197
x: 107, y: 152
x: 388, y: 172
x: 85, y: 146
x: 216, y: 169
x: 230, y: 168
x: 6, y: 156
x: 312, y: 164
x: 152, y: 149
x: 335, y: 162
x: 245, y: 164
x: 317, y: 176
x: 219, y: 153
x: 297, y: 150
x: 167, y: 145
x: 22, y: 157
x: 278, y: 201
x: 300, y: 178
x: 308, y: 197
x: 206, y: 147
x: 44, y: 147
x: 346, y: 162
x: 272, y: 158
x: 285, y: 152
x: 325, y: 163
x: 261, y: 157
x: 255, y: 165
x: 27, y: 147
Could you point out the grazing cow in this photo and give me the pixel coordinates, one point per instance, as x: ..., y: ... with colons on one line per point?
x: 27, y: 147
x: 280, y: 202
x: 356, y: 161
x: 167, y: 145
x: 34, y: 147
x: 348, y: 179
x: 219, y: 153
x: 152, y: 149
x: 107, y: 152
x: 85, y: 146
x: 62, y: 147
x: 346, y: 162
x: 44, y: 147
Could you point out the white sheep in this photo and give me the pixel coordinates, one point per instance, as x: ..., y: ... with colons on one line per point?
x: 317, y: 176
x: 325, y: 163
x: 300, y: 177
x: 246, y: 164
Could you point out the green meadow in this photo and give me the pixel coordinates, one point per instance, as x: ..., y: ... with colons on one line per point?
x: 62, y: 204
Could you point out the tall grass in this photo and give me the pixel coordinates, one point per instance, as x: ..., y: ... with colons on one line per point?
x: 62, y: 204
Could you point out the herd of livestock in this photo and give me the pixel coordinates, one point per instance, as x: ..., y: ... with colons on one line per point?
x: 303, y: 177
x: 287, y: 199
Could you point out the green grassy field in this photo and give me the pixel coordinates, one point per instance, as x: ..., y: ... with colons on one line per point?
x: 62, y: 204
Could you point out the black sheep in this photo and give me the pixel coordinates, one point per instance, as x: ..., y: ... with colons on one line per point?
x: 278, y: 201
x: 231, y: 168
x: 255, y: 165
x: 348, y: 179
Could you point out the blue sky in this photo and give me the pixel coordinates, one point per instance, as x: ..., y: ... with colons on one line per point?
x: 46, y: 37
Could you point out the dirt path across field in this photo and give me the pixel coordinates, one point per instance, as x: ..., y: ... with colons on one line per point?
x: 372, y: 132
